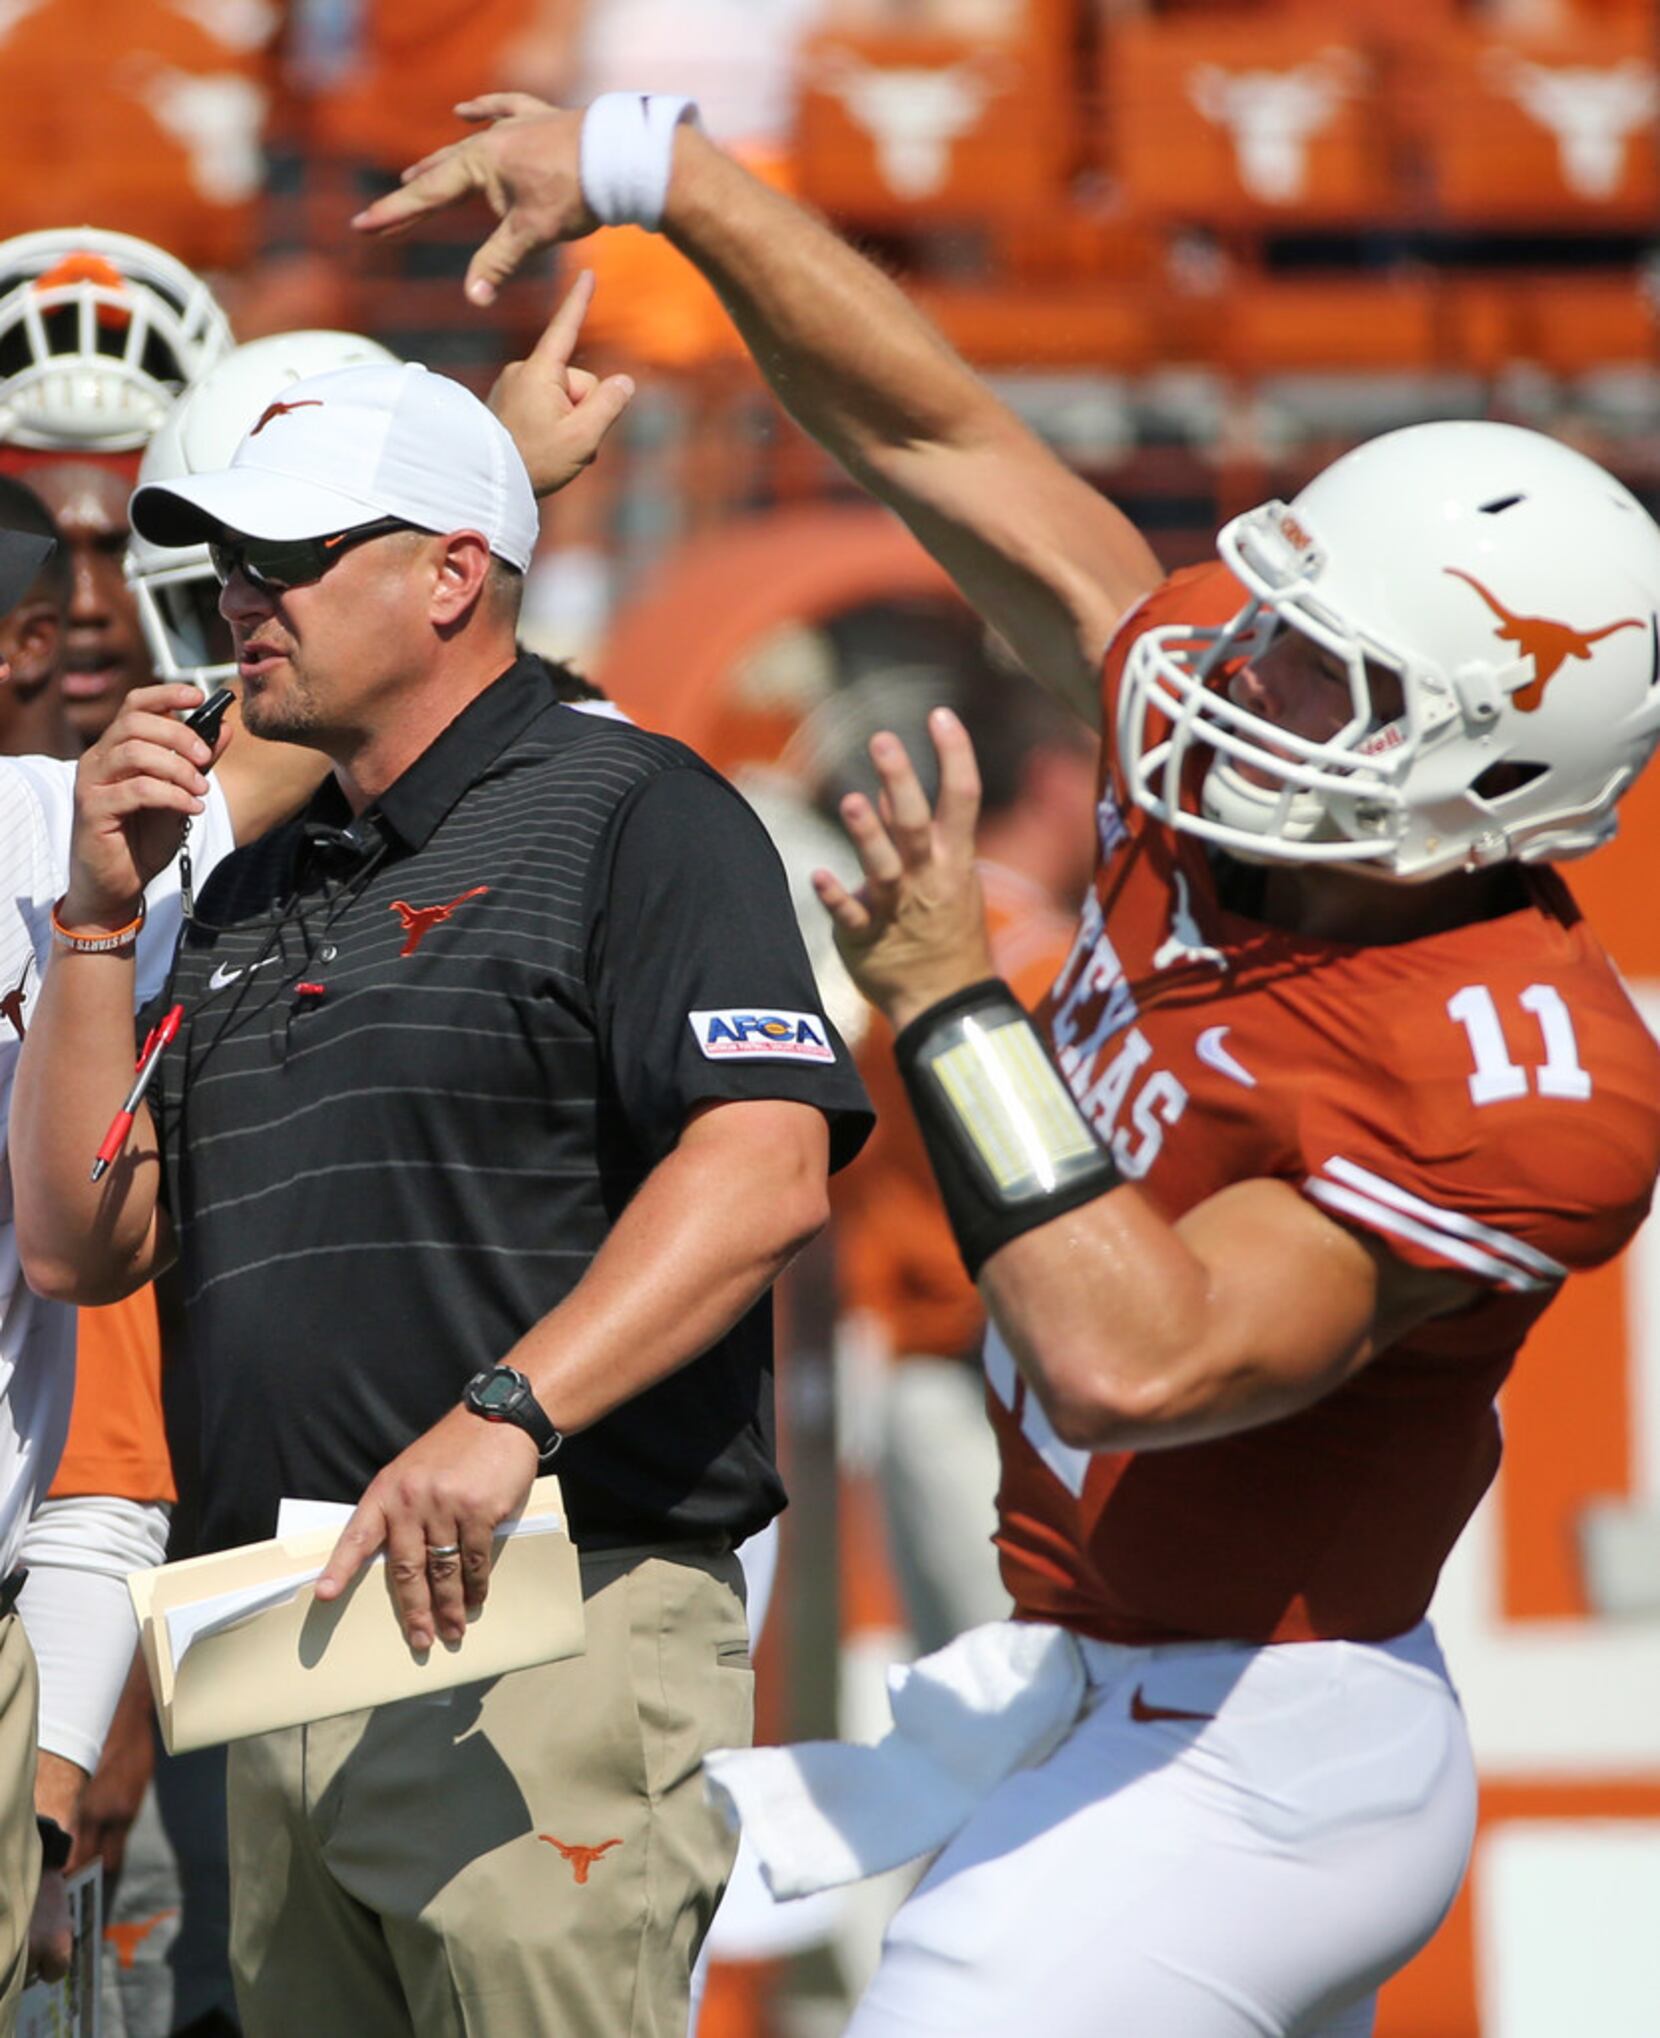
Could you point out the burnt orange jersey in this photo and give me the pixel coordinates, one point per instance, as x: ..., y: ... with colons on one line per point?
x: 896, y: 1256
x: 1485, y: 1100
x: 116, y: 1441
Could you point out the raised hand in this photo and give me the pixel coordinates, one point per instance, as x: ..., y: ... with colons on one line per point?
x: 525, y: 160
x: 915, y: 930
x: 559, y: 415
x: 134, y: 791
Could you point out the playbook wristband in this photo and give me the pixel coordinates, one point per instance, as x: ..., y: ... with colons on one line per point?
x: 1008, y: 1145
x: 626, y: 153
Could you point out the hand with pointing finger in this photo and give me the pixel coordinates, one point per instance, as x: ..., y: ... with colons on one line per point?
x: 525, y: 160
x: 559, y: 415
x: 915, y: 930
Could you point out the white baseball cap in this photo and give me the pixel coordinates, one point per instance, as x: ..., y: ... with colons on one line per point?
x: 334, y: 451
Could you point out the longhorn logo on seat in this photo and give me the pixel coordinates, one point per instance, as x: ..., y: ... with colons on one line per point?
x: 912, y: 115
x: 1272, y: 116
x: 1592, y: 113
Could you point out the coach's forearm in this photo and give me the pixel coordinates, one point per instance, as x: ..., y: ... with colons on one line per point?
x: 708, y: 1232
x: 81, y: 1242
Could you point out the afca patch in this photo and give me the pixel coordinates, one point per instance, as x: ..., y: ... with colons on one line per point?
x: 737, y: 1035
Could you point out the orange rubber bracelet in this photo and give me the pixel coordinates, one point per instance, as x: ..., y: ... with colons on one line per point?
x: 98, y: 944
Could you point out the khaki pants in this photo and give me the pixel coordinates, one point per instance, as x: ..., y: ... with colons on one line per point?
x: 525, y: 1857
x: 19, y: 1843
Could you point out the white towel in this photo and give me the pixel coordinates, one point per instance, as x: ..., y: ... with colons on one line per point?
x: 995, y: 1700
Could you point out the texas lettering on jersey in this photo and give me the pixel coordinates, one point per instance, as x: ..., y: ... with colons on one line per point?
x: 1485, y: 1100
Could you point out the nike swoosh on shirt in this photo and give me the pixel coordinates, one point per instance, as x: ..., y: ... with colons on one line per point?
x: 222, y: 976
x: 1210, y: 1051
x: 1140, y: 1709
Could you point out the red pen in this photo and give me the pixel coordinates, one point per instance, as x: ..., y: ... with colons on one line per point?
x: 156, y: 1043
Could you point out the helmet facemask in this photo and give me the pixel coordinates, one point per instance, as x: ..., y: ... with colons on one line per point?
x: 98, y: 333
x: 1265, y: 793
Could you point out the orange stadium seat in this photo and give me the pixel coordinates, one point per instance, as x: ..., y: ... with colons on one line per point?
x: 142, y: 117
x: 900, y: 127
x: 1345, y: 325
x: 1245, y: 123
x: 1573, y: 325
x: 1543, y: 132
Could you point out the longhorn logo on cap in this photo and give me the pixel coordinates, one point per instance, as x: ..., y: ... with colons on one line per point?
x: 277, y: 410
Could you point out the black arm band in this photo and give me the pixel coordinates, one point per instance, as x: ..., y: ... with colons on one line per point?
x: 1008, y: 1145
x: 56, y: 1845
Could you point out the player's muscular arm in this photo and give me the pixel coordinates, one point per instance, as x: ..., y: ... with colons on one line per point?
x: 1137, y: 1333
x: 1047, y: 561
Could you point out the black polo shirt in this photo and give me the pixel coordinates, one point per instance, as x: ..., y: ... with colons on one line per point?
x: 421, y: 1071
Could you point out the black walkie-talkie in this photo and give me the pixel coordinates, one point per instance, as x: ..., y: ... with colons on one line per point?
x: 206, y: 719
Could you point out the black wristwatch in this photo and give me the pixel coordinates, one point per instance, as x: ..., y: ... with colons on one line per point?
x: 56, y: 1845
x: 503, y: 1394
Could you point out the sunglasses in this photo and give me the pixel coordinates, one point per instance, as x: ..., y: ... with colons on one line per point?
x: 278, y: 564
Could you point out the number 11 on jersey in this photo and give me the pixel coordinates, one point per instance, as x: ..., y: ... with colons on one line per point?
x: 1498, y: 1078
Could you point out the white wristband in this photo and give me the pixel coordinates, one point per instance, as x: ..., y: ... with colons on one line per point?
x: 627, y: 151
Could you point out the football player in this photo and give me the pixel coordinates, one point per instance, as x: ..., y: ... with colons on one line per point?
x: 1334, y: 1092
x: 99, y: 332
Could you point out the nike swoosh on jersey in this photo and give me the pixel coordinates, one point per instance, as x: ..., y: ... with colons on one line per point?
x: 1140, y: 1709
x: 1214, y: 1055
x: 222, y: 976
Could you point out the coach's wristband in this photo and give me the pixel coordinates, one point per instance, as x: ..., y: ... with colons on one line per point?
x: 99, y: 944
x: 1008, y: 1145
x: 626, y: 153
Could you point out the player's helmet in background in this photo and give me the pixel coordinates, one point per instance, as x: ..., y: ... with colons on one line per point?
x: 1508, y: 584
x: 175, y: 586
x: 98, y: 334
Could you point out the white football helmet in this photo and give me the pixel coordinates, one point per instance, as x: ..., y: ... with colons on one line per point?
x: 98, y: 333
x: 175, y: 586
x: 1507, y: 583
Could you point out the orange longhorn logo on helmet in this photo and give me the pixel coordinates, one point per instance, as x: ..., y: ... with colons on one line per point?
x: 1548, y: 643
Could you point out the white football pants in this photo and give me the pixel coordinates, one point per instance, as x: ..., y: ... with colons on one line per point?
x: 1253, y: 1873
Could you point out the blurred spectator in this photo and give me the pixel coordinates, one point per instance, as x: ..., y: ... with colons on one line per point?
x: 937, y: 1458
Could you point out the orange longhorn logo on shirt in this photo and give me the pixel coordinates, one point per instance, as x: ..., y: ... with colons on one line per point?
x: 1548, y: 643
x: 419, y: 921
x: 278, y: 410
x: 581, y: 1858
x: 11, y: 1005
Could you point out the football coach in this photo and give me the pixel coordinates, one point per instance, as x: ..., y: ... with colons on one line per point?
x: 501, y: 1098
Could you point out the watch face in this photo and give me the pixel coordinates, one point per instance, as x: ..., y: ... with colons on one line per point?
x: 500, y: 1394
